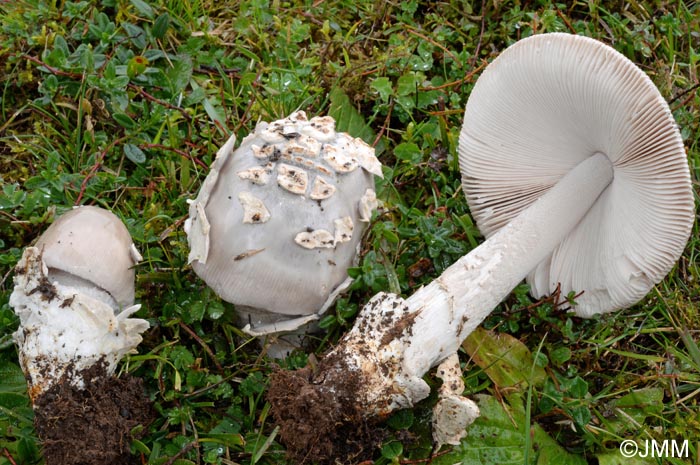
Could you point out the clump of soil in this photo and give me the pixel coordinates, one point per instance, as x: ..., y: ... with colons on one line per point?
x: 91, y: 426
x: 319, y: 419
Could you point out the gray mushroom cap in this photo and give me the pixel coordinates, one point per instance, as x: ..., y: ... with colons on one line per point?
x: 72, y: 244
x: 542, y: 107
x: 278, y: 221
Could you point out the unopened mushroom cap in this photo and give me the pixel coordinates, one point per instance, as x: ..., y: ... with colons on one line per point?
x: 278, y: 221
x: 544, y: 105
x: 91, y: 245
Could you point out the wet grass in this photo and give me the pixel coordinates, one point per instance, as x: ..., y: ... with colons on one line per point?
x: 123, y: 103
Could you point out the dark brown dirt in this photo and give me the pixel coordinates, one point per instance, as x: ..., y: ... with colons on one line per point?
x: 91, y: 426
x: 319, y: 419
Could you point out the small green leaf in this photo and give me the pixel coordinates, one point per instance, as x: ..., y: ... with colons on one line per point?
x: 215, y: 310
x: 407, y: 84
x: 408, y: 152
x: 390, y: 236
x: 27, y: 450
x: 136, y: 34
x: 383, y: 87
x: 327, y: 321
x: 134, y: 153
x: 551, y: 396
x: 506, y: 360
x: 139, y: 447
x: 179, y: 74
x: 143, y: 8
x: 181, y: 357
x: 160, y: 26
x: 392, y: 450
x: 253, y: 384
x: 110, y: 71
x: 13, y: 386
x: 403, y: 419
x: 581, y: 415
x: 12, y: 378
x: 86, y: 58
x: 216, y: 116
x: 560, y: 355
x: 119, y: 82
x: 124, y: 120
x: 195, y: 312
x: 59, y: 43
x: 576, y: 387
x: 225, y: 427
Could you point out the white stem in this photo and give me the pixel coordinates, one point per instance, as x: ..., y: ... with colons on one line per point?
x: 395, y: 342
x: 453, y: 305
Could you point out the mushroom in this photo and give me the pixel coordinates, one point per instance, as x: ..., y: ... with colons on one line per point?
x: 74, y: 294
x: 278, y: 221
x: 591, y: 102
x: 575, y: 171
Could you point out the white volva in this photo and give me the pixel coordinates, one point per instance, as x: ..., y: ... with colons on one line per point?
x: 576, y: 172
x: 64, y: 332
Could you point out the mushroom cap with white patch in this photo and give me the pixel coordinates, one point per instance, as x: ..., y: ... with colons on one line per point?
x: 71, y: 244
x: 278, y: 221
x: 544, y: 105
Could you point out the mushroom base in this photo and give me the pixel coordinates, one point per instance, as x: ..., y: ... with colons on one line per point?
x: 65, y: 331
x: 319, y: 418
x: 91, y: 425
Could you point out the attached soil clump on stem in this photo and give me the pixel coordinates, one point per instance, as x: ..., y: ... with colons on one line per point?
x: 319, y: 419
x: 91, y: 425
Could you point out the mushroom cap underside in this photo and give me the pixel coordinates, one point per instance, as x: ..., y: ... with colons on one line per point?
x: 544, y: 105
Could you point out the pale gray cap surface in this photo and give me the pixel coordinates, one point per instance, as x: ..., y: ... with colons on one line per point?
x: 90, y: 248
x: 278, y: 220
